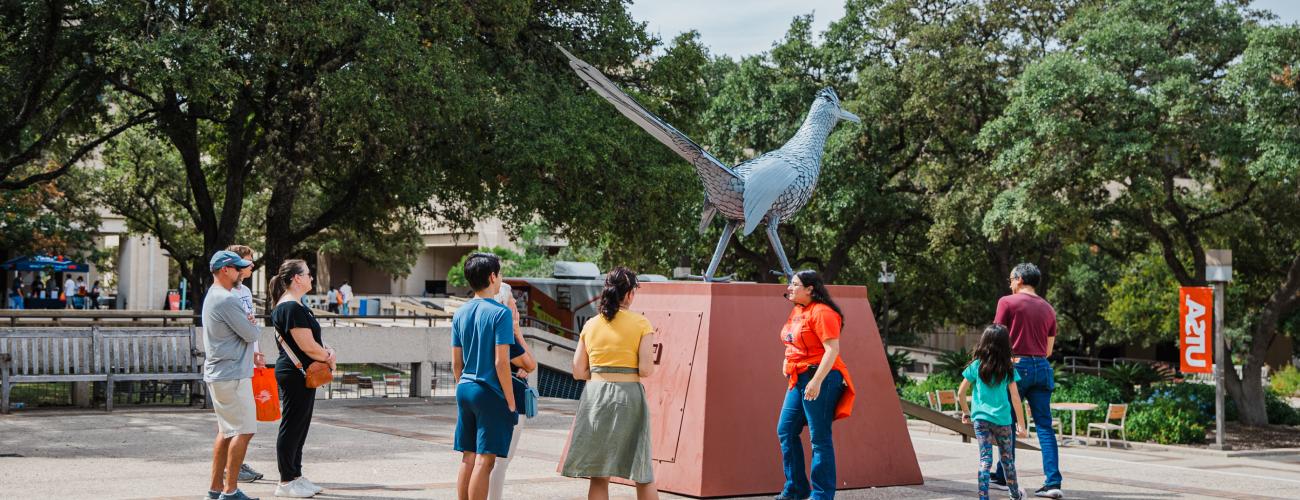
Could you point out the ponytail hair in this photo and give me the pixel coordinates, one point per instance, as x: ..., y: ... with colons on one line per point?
x: 618, y: 283
x: 819, y: 293
x: 280, y: 282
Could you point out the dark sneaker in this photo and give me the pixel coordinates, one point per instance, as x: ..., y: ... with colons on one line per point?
x: 999, y: 484
x: 247, y: 474
x: 1049, y: 492
x: 237, y: 495
x: 213, y: 495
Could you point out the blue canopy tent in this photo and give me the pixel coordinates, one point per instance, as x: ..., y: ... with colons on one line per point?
x: 47, y: 263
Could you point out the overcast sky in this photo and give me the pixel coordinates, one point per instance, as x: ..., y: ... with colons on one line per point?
x: 740, y: 28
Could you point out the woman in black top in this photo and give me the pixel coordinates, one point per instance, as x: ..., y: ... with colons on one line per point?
x: 297, y: 328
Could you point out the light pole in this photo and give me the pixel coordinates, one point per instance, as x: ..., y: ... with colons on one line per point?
x: 885, y: 279
x: 1218, y: 270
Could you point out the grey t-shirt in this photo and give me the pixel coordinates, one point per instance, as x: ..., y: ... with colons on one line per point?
x: 227, y: 337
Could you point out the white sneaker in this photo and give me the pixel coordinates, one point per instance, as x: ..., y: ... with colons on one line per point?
x: 294, y: 489
x: 310, y: 485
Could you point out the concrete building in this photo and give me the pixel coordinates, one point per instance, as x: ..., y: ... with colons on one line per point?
x: 443, y: 248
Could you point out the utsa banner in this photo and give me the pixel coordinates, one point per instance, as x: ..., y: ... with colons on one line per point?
x: 1196, y: 329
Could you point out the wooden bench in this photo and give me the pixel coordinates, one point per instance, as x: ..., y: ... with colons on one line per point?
x: 96, y: 354
x: 138, y: 354
x: 48, y: 355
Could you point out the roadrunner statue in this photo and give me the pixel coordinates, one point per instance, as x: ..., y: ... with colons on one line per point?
x: 767, y: 189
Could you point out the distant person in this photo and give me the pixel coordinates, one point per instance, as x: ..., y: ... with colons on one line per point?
x: 52, y: 287
x: 611, y: 432
x: 521, y: 363
x: 69, y: 291
x: 481, y: 335
x: 332, y: 300
x: 16, y: 294
x: 1031, y: 323
x: 38, y: 290
x: 819, y: 389
x: 228, y: 339
x: 82, y: 292
x: 345, y: 295
x: 248, y: 474
x: 300, y: 344
x: 95, y: 292
x: 995, y: 400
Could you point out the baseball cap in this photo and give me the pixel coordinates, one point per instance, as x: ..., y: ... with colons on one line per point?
x: 227, y: 258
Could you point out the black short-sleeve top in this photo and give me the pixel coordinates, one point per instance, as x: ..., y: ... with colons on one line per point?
x: 289, y: 315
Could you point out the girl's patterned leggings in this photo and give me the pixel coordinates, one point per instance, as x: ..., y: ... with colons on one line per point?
x: 988, y: 434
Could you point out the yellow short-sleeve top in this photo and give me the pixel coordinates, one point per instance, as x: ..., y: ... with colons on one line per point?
x: 615, y: 343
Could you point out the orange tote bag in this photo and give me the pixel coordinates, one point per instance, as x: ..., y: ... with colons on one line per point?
x: 266, y: 393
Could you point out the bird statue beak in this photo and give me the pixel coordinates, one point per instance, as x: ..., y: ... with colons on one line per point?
x: 845, y: 115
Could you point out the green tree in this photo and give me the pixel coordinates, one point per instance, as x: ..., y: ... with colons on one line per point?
x: 52, y: 86
x: 1131, y: 122
x: 339, y: 122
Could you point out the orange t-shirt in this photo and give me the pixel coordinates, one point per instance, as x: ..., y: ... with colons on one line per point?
x: 803, y: 334
x: 806, y: 329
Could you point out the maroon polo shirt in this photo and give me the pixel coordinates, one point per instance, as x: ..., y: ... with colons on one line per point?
x: 1030, y: 319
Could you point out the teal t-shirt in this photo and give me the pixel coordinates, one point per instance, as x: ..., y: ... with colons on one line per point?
x: 990, y: 403
x: 478, y: 327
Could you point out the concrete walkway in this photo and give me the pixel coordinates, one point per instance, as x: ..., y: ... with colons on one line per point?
x: 402, y: 449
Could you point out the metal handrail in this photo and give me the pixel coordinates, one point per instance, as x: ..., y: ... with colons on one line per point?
x: 14, y: 315
x: 546, y: 325
x: 550, y: 344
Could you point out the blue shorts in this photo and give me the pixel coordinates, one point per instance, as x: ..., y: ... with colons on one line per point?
x: 484, y: 423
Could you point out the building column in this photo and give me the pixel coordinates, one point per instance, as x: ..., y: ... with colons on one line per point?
x: 421, y: 379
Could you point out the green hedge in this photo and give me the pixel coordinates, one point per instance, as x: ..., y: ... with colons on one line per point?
x: 1166, y: 421
x: 1085, y: 389
x: 936, y: 381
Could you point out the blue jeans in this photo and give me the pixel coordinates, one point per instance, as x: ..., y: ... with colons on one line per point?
x: 817, y: 415
x: 1036, y: 385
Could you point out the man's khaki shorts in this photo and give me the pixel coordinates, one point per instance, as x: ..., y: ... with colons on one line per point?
x: 232, y: 400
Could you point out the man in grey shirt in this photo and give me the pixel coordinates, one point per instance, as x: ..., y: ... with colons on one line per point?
x: 228, y: 339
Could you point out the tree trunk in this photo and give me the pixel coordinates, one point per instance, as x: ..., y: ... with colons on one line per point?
x: 1248, y: 389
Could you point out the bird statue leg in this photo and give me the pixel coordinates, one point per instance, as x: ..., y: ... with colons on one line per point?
x: 727, y: 231
x: 780, y: 251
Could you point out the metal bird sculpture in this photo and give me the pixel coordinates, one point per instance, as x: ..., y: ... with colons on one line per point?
x: 768, y: 189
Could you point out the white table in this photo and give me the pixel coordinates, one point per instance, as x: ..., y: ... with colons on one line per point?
x: 1074, y: 409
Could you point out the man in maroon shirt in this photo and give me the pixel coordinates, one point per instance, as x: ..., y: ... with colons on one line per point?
x: 1032, y: 323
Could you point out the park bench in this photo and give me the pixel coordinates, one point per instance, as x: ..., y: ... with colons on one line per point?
x: 149, y: 354
x: 96, y: 354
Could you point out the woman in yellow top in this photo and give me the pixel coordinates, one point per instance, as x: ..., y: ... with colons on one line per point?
x: 611, y: 432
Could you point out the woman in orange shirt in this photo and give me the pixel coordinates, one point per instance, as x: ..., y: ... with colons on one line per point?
x: 820, y: 390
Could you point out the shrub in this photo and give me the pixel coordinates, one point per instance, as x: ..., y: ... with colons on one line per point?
x: 1166, y: 421
x: 952, y: 363
x: 1286, y: 382
x: 1086, y: 389
x: 1279, y: 411
x: 1126, y: 376
x: 937, y: 381
x: 898, y: 361
x: 1199, y: 397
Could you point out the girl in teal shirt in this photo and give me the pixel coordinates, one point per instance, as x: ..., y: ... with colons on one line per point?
x: 994, y: 377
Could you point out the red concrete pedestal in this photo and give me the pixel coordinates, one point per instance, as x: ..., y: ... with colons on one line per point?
x: 717, y: 392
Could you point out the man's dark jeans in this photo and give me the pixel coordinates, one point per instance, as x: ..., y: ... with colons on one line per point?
x: 1036, y: 385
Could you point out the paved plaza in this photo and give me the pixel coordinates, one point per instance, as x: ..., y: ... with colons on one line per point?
x: 402, y: 449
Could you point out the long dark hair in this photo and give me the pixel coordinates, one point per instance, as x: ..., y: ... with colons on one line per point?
x: 618, y: 283
x: 819, y: 293
x: 993, y: 351
x: 280, y: 282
